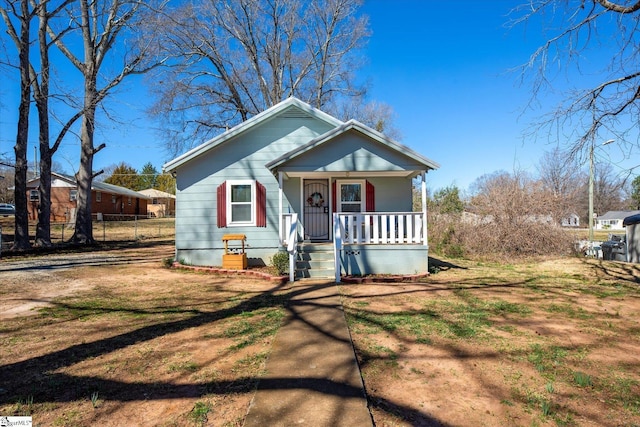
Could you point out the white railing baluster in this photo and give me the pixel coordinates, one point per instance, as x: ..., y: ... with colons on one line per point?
x: 366, y: 236
x: 393, y: 228
x: 376, y: 229
x: 384, y: 222
x: 418, y: 233
x: 381, y: 228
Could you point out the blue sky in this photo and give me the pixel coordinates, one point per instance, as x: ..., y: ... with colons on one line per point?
x: 445, y: 71
x: 443, y: 67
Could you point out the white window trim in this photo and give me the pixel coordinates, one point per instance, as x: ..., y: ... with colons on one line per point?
x: 363, y: 189
x: 230, y: 222
x: 34, y: 195
x: 73, y: 195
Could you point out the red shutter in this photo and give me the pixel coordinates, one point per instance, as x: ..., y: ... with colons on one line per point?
x: 261, y: 205
x: 333, y: 197
x: 371, y: 198
x: 222, y: 205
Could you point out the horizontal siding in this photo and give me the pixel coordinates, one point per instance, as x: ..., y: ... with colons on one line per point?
x: 242, y: 158
x: 393, y: 194
x: 384, y: 259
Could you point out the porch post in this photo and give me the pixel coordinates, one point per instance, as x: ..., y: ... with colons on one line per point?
x: 280, y: 195
x: 424, y: 208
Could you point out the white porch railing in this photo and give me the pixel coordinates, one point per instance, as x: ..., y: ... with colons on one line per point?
x: 375, y: 229
x: 382, y: 228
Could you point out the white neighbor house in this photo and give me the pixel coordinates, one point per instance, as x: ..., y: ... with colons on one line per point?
x: 297, y: 179
x: 612, y: 220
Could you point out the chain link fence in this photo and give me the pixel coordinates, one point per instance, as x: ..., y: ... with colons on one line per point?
x: 115, y: 228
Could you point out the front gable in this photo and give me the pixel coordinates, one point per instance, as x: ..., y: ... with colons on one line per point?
x: 352, y: 147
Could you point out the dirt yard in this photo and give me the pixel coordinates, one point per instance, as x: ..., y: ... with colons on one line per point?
x: 546, y: 343
x: 115, y: 338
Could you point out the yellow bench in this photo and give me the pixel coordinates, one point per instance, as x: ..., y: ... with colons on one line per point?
x: 234, y: 261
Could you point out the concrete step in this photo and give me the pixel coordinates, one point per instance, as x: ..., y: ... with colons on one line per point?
x: 315, y: 261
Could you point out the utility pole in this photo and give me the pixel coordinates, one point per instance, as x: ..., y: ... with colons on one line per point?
x: 591, y: 179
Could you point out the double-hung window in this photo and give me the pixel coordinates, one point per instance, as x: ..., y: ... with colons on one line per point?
x: 241, y: 202
x: 351, y: 196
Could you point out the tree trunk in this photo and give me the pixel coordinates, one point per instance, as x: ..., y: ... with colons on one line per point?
x: 21, y: 239
x: 41, y: 96
x: 43, y: 229
x: 84, y: 177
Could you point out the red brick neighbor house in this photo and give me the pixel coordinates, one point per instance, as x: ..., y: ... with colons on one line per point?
x: 107, y: 201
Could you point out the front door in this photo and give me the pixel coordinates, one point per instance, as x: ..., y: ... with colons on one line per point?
x: 316, y: 209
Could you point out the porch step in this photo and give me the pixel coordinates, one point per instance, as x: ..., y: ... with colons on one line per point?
x: 315, y: 260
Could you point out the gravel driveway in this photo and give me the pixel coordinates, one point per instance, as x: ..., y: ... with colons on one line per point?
x: 30, y: 282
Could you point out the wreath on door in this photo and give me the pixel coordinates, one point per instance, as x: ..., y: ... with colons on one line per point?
x: 315, y: 200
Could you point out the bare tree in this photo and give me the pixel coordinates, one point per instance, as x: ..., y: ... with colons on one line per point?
x: 20, y: 10
x: 376, y: 115
x: 607, y: 191
x: 40, y: 80
x: 561, y: 175
x: 39, y: 72
x: 580, y: 33
x: 103, y: 26
x: 235, y: 58
x: 513, y: 215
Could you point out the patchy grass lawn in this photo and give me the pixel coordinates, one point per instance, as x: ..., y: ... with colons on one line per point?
x: 532, y: 344
x: 134, y: 344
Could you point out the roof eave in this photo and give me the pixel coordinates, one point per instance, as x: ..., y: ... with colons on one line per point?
x: 242, y: 127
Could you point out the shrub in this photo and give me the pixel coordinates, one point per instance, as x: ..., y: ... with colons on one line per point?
x: 510, y: 216
x: 280, y: 262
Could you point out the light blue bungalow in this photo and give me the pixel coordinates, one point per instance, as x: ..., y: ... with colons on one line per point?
x: 336, y: 195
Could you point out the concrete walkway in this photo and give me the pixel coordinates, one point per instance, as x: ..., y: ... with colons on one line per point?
x: 312, y: 375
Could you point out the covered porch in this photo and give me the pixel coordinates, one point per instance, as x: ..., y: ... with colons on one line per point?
x: 362, y: 241
x: 352, y: 188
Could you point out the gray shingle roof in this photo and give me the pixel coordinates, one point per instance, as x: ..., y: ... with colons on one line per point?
x: 618, y: 215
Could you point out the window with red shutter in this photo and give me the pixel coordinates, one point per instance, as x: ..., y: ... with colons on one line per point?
x: 353, y: 196
x: 242, y: 203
